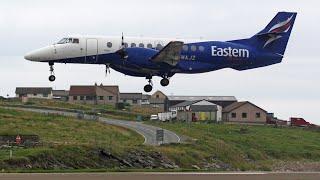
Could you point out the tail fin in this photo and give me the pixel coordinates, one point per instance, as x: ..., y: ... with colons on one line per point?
x: 275, y: 36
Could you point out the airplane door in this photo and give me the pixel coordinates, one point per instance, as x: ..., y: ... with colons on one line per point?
x: 91, y: 51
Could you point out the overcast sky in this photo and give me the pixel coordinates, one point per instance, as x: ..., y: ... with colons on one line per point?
x: 288, y: 89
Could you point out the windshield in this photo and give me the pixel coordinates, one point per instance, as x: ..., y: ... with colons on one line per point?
x: 68, y: 40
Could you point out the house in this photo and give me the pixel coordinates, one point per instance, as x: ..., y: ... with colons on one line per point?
x: 62, y: 95
x: 222, y: 101
x: 97, y: 94
x: 201, y: 110
x: 34, y: 92
x: 159, y: 101
x: 244, y: 112
x: 134, y: 98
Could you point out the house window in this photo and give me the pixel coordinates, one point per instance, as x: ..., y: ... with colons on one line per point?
x: 157, y: 96
x: 124, y: 100
x: 34, y: 94
x: 89, y: 98
x: 110, y: 98
x: 134, y: 101
x: 244, y: 115
x: 75, y: 97
x: 101, y: 97
x: 233, y: 115
x: 81, y: 98
x: 45, y: 95
x: 258, y: 115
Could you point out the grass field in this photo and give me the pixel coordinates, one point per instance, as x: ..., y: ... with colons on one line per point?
x: 59, y: 132
x: 241, y: 146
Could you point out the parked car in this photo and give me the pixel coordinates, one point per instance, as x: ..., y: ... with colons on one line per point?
x: 154, y: 117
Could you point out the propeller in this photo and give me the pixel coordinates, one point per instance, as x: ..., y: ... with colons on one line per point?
x: 122, y: 51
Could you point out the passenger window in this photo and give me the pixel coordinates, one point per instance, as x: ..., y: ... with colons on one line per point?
x: 201, y: 48
x: 109, y: 44
x: 76, y: 41
x: 193, y: 48
x: 141, y: 45
x: 159, y: 47
x: 125, y: 45
x: 149, y: 46
x: 133, y: 45
x: 185, y: 47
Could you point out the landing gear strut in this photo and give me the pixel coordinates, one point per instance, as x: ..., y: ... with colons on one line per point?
x: 51, y: 77
x: 148, y: 87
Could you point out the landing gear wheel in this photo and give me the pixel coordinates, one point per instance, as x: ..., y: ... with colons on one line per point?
x: 164, y: 82
x: 147, y: 88
x: 52, y: 78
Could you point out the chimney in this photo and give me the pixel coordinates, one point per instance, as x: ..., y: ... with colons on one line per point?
x: 101, y: 85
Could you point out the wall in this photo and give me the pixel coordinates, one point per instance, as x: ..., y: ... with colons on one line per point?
x: 251, y: 111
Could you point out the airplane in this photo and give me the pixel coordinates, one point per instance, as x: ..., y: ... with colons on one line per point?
x: 148, y: 57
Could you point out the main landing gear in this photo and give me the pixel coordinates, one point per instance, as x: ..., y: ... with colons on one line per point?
x: 164, y: 82
x: 52, y: 77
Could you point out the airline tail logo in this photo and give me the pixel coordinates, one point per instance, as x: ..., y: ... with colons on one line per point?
x: 281, y: 27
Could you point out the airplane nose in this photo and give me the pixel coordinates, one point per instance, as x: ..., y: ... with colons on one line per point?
x: 42, y: 54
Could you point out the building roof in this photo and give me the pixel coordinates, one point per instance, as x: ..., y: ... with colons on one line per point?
x: 131, y: 96
x: 82, y: 90
x: 208, y: 98
x: 197, y: 103
x: 58, y: 93
x: 236, y: 105
x: 33, y: 90
x: 91, y: 90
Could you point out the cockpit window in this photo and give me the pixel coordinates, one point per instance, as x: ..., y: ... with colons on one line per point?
x: 63, y: 41
x: 68, y: 40
x: 76, y: 41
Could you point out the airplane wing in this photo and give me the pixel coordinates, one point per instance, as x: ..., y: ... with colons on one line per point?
x: 170, y: 54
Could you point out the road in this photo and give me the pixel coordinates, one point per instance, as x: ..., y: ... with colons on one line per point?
x: 163, y: 176
x: 147, y: 131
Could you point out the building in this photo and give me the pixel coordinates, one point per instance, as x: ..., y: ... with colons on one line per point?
x: 201, y: 110
x: 62, y: 95
x: 244, y: 112
x: 222, y: 101
x: 159, y: 101
x: 97, y: 94
x: 134, y: 99
x: 34, y: 92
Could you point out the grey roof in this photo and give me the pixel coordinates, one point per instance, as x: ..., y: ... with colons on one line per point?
x: 33, y: 90
x: 183, y: 104
x: 196, y: 98
x: 203, y: 108
x: 132, y: 96
x: 58, y: 93
x: 146, y: 96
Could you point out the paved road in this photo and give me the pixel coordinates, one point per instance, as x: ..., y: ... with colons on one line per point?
x: 163, y: 176
x: 147, y: 131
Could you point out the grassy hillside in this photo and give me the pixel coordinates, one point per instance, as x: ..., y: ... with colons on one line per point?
x: 242, y: 147
x: 65, y: 138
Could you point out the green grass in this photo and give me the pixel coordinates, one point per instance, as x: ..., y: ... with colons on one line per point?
x: 55, y: 130
x: 243, y: 147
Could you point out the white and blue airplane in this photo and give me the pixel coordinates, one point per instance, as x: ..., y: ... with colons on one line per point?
x: 148, y: 57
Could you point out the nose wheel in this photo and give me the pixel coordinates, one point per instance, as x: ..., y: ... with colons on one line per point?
x: 148, y: 87
x: 52, y: 77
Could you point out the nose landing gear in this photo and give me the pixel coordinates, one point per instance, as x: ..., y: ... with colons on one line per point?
x: 52, y: 77
x: 148, y: 87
